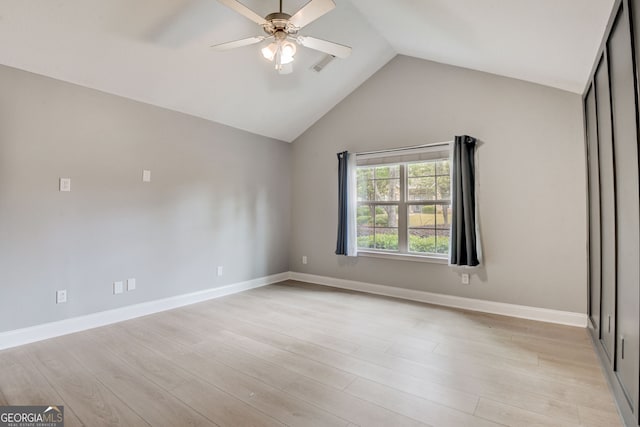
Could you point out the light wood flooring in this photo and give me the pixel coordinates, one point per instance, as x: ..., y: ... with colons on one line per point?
x: 303, y: 355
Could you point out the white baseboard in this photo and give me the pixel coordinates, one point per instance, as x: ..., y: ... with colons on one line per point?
x: 513, y: 310
x: 76, y: 324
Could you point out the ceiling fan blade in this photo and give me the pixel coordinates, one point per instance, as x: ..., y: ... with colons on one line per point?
x: 331, y: 48
x: 238, y: 43
x: 244, y: 11
x: 311, y: 11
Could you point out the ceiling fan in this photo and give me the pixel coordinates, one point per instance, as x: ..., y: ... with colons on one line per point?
x: 283, y: 29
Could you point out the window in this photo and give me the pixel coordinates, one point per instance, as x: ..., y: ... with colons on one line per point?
x: 405, y: 207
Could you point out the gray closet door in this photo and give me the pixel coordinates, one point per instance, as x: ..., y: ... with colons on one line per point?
x: 623, y: 91
x: 607, y: 210
x: 594, y: 209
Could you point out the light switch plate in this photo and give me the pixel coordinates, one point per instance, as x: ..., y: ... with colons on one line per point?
x: 146, y: 175
x: 118, y: 288
x: 131, y: 284
x: 219, y: 270
x: 65, y: 184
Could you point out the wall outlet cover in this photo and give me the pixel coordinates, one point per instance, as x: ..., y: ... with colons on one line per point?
x: 131, y: 284
x: 304, y: 259
x: 65, y: 184
x: 61, y: 296
x: 146, y: 175
x: 465, y: 278
x: 219, y: 270
x: 118, y: 288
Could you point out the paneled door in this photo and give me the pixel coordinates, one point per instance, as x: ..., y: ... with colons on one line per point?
x: 625, y: 133
x: 607, y: 210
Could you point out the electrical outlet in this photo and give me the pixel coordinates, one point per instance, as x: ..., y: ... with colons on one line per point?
x: 65, y: 184
x: 146, y: 175
x: 219, y: 270
x: 465, y: 278
x: 304, y: 259
x: 118, y: 288
x: 61, y: 296
x: 131, y: 284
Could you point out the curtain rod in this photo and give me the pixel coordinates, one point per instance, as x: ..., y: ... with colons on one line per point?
x: 391, y: 150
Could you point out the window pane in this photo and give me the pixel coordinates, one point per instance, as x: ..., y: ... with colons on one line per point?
x: 422, y: 188
x: 442, y: 241
x: 386, y: 238
x: 422, y: 169
x: 421, y: 215
x: 422, y: 240
x: 386, y: 216
x: 443, y: 217
x: 365, y: 216
x: 387, y: 190
x: 365, y: 184
x: 385, y: 172
x: 365, y: 237
x: 364, y: 173
x: 442, y: 167
x: 365, y: 190
x: 443, y: 185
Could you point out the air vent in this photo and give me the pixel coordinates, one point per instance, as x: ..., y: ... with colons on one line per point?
x: 323, y: 63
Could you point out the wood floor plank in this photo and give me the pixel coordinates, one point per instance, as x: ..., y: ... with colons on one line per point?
x: 90, y: 400
x: 498, y: 387
x: 218, y: 406
x: 469, y: 362
x: 413, y: 406
x: 281, y: 406
x: 453, y: 347
x: 221, y: 408
x: 319, y: 326
x: 434, y: 391
x: 146, y: 398
x: 330, y: 399
x: 516, y: 417
x: 532, y: 377
x: 591, y: 417
x: 311, y: 334
x: 20, y: 380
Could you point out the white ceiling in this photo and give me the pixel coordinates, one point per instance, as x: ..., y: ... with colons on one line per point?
x: 551, y: 42
x: 156, y: 51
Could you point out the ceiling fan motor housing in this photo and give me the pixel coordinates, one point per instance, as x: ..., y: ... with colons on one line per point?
x: 279, y: 22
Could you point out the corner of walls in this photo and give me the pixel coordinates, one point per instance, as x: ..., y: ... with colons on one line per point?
x: 531, y: 185
x: 218, y: 196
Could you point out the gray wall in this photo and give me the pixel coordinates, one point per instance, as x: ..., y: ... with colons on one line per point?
x: 218, y: 196
x: 530, y: 174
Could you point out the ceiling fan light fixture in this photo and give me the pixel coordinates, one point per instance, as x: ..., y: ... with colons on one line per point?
x: 281, y: 51
x: 269, y: 52
x: 288, y: 51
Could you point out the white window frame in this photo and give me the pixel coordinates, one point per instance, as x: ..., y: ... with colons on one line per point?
x: 383, y: 159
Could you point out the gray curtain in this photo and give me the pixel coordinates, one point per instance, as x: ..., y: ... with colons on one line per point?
x: 463, y: 246
x: 341, y: 245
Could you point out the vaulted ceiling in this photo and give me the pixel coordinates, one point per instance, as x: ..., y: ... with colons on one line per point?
x: 157, y: 51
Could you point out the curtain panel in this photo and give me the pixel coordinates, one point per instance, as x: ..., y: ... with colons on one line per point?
x: 463, y: 248
x: 347, y: 242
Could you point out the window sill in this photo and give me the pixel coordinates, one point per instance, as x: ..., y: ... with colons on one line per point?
x: 404, y: 257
